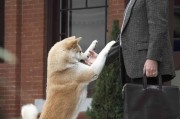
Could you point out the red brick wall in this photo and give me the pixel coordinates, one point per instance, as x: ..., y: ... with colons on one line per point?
x: 115, y: 12
x: 24, y: 36
x: 32, y: 50
x: 9, y: 85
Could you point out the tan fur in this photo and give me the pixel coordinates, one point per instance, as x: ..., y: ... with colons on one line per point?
x: 64, y: 84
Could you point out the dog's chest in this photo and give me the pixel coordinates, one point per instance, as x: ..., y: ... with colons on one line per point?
x: 83, y: 93
x: 82, y: 97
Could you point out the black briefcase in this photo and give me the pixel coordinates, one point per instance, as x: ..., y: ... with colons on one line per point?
x: 151, y: 101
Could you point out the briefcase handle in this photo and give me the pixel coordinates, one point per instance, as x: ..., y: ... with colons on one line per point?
x: 145, y: 81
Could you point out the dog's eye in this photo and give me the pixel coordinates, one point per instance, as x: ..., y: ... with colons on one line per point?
x: 80, y: 51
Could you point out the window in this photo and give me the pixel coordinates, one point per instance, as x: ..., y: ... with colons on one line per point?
x: 84, y: 18
x: 176, y: 25
x: 1, y: 25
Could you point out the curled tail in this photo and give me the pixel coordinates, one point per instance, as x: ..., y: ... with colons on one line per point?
x: 29, y: 111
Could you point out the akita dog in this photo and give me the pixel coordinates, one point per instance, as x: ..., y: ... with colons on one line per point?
x: 68, y: 77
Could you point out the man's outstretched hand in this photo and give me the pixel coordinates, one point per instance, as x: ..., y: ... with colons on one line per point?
x: 91, y: 58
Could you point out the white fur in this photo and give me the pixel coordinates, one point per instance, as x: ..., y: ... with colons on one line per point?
x: 29, y: 111
x: 91, y: 47
x: 80, y: 101
x: 98, y: 64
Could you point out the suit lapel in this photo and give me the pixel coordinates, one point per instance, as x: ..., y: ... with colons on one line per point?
x: 127, y: 14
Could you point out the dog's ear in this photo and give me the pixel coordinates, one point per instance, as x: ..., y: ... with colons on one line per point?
x: 72, y: 37
x: 78, y: 39
x: 73, y: 42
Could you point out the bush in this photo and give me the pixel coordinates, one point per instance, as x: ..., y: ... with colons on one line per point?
x: 107, y: 100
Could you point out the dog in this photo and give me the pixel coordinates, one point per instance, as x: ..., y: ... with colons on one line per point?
x: 68, y: 77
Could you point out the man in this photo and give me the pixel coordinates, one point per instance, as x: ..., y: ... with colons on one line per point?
x: 144, y: 42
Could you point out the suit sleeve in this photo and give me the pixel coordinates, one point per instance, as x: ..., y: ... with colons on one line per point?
x: 157, y: 14
x: 113, y: 54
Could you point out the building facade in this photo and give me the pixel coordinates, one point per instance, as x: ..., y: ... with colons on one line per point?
x: 28, y: 29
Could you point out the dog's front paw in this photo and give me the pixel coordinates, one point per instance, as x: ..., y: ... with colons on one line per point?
x: 111, y: 43
x: 91, y: 47
x: 108, y: 46
x: 93, y: 44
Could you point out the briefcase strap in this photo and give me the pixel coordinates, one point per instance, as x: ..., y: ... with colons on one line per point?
x: 145, y: 80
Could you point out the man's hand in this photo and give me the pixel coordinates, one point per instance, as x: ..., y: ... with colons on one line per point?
x: 151, y: 68
x: 91, y: 58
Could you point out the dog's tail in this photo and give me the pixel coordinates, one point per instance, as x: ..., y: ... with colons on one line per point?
x: 29, y: 111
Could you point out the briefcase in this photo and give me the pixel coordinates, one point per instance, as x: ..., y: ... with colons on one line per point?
x: 142, y: 101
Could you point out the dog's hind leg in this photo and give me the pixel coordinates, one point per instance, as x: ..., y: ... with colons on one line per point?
x: 91, y: 47
x: 98, y: 64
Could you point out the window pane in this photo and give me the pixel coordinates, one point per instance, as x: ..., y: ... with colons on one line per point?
x: 90, y: 25
x: 93, y: 3
x: 2, y: 23
x: 78, y: 3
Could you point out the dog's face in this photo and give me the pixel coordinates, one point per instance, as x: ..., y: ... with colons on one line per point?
x: 67, y: 50
x: 73, y: 48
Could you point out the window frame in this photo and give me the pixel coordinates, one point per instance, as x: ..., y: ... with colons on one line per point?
x: 67, y: 26
x: 67, y: 31
x: 2, y: 21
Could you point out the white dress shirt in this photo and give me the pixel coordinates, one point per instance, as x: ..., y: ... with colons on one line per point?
x: 124, y: 20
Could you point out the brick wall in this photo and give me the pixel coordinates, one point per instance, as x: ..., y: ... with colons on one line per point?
x: 24, y: 36
x: 115, y: 12
x: 32, y: 50
x: 9, y: 85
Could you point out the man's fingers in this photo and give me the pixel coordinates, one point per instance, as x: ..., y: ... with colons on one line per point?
x: 151, y: 72
x: 150, y: 68
x: 92, y: 53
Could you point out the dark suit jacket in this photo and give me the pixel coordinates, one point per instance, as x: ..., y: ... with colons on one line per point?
x: 145, y: 35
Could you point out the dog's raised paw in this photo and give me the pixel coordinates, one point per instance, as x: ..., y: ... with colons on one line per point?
x: 108, y: 47
x: 111, y: 43
x: 93, y: 44
x: 95, y: 41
